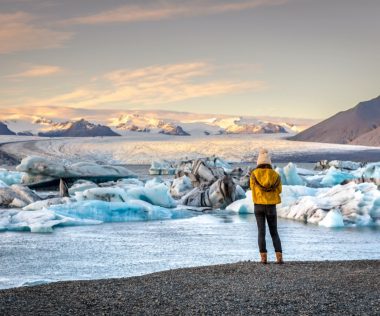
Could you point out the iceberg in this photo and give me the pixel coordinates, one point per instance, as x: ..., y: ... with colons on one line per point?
x: 17, y: 195
x: 357, y: 203
x: 333, y: 219
x: 157, y: 194
x: 110, y: 194
x: 243, y: 206
x: 162, y: 167
x: 39, y: 205
x: 180, y: 187
x: 41, y: 221
x: 46, y: 169
x: 118, y: 211
x: 81, y: 185
x: 335, y: 176
x: 289, y: 175
x: 10, y: 177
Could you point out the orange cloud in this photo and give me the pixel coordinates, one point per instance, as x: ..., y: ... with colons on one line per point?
x: 19, y: 33
x: 37, y: 71
x: 159, y: 10
x: 151, y: 86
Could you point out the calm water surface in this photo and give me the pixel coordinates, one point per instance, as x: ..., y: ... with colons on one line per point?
x: 136, y: 248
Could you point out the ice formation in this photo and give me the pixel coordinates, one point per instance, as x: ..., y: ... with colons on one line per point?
x: 17, y: 195
x: 81, y: 185
x: 180, y: 187
x: 289, y: 175
x: 162, y: 167
x: 10, y: 177
x: 157, y: 195
x: 359, y: 204
x: 335, y: 176
x: 36, y: 166
x: 102, y: 211
x: 41, y: 221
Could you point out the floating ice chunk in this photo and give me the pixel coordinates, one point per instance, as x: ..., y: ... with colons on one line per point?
x: 39, y: 205
x: 81, y: 185
x: 216, y: 162
x: 372, y: 170
x: 17, y: 196
x: 338, y: 164
x: 243, y: 206
x: 347, y: 165
x: 154, y: 194
x: 153, y: 182
x: 357, y: 203
x: 333, y: 219
x: 180, y: 187
x: 111, y: 194
x: 39, y: 166
x: 118, y: 211
x: 162, y: 167
x: 289, y: 175
x: 10, y: 177
x: 335, y: 176
x: 41, y: 221
x: 3, y: 184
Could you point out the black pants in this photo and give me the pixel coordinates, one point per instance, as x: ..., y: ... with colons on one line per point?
x: 269, y: 213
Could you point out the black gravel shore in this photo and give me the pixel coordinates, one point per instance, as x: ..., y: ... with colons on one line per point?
x: 246, y: 288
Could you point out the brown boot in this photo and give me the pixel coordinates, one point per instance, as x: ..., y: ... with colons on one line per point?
x: 264, y: 257
x: 279, y: 259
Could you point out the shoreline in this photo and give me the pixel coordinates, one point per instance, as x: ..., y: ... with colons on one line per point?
x: 243, y: 288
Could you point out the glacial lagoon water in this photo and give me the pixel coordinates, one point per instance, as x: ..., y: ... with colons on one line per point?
x: 128, y: 249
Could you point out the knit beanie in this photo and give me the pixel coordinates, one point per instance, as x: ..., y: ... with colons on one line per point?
x: 264, y: 157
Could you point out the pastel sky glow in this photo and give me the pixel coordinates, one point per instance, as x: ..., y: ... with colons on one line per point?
x: 290, y: 58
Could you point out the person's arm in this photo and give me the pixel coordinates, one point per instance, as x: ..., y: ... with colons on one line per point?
x: 251, y: 181
x: 280, y: 185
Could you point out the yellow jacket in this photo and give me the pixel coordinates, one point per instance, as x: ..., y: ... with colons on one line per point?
x: 266, y: 186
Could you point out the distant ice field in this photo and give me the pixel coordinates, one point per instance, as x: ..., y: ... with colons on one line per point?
x: 142, y: 149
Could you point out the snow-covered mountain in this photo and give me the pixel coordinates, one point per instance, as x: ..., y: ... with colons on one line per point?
x: 81, y: 128
x: 59, y: 121
x: 4, y: 130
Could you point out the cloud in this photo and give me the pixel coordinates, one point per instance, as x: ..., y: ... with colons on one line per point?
x: 151, y: 86
x: 18, y: 32
x: 37, y: 71
x: 161, y: 10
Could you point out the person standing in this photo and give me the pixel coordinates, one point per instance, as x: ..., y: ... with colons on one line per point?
x: 266, y: 188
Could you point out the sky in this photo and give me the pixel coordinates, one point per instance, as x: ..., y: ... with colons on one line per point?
x: 289, y: 58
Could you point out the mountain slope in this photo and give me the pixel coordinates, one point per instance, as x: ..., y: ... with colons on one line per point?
x: 81, y: 128
x: 347, y: 127
x: 4, y: 130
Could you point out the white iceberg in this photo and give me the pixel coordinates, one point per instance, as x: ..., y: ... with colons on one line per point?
x: 162, y: 167
x: 41, y: 221
x: 335, y: 176
x: 118, y: 211
x: 289, y: 175
x: 359, y: 204
x: 243, y: 206
x: 157, y: 194
x: 10, y: 177
x: 180, y: 187
x: 333, y: 219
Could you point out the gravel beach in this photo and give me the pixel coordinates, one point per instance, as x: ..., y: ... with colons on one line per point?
x: 246, y: 288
